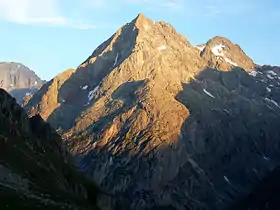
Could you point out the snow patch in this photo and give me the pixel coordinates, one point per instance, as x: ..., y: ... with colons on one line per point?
x: 227, y: 111
x: 91, y: 94
x: 218, y: 51
x: 200, y: 47
x: 27, y: 94
x: 229, y: 61
x: 35, y: 83
x: 226, y: 179
x: 272, y: 101
x: 161, y: 48
x: 268, y: 89
x: 269, y: 76
x: 253, y: 73
x: 85, y: 87
x: 266, y: 158
x: 116, y: 59
x: 272, y: 73
x: 209, y: 94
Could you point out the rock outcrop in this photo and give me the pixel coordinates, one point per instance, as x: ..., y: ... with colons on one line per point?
x: 46, y: 100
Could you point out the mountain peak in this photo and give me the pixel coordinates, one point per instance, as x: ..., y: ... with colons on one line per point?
x: 232, y: 53
x: 140, y: 15
x: 142, y: 22
x: 148, y: 104
x: 219, y: 39
x: 18, y: 79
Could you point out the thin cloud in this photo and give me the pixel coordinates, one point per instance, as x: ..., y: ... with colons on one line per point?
x: 158, y: 4
x: 26, y: 10
x: 39, y: 12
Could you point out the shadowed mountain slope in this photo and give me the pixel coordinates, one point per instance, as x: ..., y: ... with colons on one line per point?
x: 35, y: 172
x: 265, y: 194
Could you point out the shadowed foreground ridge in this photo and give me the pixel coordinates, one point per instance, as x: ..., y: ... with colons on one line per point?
x: 162, y: 124
x: 265, y: 194
x: 34, y: 171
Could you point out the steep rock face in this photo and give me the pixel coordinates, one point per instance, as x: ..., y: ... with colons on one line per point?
x: 227, y: 53
x: 164, y: 125
x: 18, y: 80
x: 46, y: 100
x: 34, y: 172
x: 159, y: 64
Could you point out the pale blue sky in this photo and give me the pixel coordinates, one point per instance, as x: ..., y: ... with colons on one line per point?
x: 50, y: 36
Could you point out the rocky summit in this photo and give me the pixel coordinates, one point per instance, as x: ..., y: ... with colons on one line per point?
x: 18, y: 80
x: 162, y: 124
